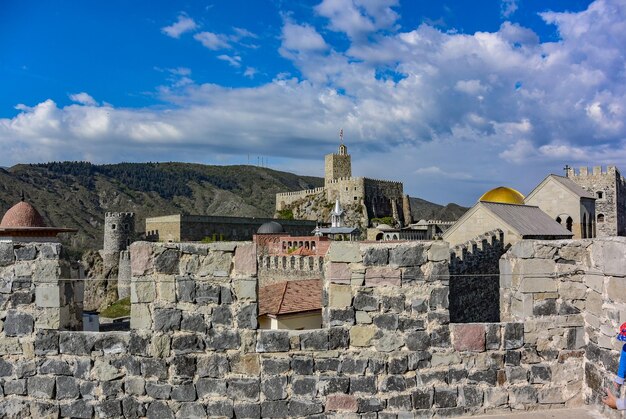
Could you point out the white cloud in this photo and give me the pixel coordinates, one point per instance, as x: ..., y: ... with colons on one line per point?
x: 234, y: 61
x: 250, y: 72
x: 83, y: 98
x: 358, y: 17
x: 182, y: 25
x: 302, y: 38
x: 508, y: 8
x: 418, y: 106
x: 212, y: 40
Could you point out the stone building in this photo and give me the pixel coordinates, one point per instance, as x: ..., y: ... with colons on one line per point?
x: 292, y: 305
x: 337, y: 229
x: 609, y: 188
x: 503, y: 208
x: 182, y: 227
x: 567, y: 203
x: 370, y: 198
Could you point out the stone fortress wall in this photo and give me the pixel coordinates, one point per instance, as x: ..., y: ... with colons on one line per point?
x: 387, y: 346
x: 611, y: 207
x: 475, y: 278
x: 285, y: 199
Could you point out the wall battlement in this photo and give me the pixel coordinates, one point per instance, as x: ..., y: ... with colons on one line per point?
x: 303, y: 193
x: 381, y: 181
x: 596, y: 170
x: 387, y: 346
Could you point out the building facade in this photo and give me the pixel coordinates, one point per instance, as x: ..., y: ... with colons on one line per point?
x: 609, y: 188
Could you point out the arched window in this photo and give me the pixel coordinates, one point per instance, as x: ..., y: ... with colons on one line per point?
x: 600, y: 218
x: 558, y: 220
x: 379, y: 237
x: 600, y: 194
x: 568, y: 223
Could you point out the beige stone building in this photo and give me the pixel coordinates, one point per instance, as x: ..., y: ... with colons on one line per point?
x: 567, y: 203
x: 503, y: 208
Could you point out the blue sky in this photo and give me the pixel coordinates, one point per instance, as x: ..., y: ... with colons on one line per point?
x: 452, y: 97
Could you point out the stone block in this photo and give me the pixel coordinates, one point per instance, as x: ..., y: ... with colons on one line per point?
x: 222, y: 340
x: 247, y: 317
x: 166, y: 288
x: 245, y: 289
x: 273, y: 366
x: 185, y: 289
x: 365, y: 302
x: 344, y: 252
x: 439, y: 252
x: 16, y: 387
x: 135, y: 386
x: 386, y: 321
x: 468, y: 337
x: 314, y: 341
x: 445, y: 359
x: 327, y: 364
x: 197, y: 410
x: 158, y: 391
x: 67, y: 388
x: 247, y: 410
x: 166, y: 262
x: 513, y: 335
x: 370, y: 404
x: 55, y: 367
x: 338, y: 338
x: 47, y: 296
x: 423, y: 398
x: 207, y: 293
x: 341, y: 317
x: 184, y: 393
x: 304, y: 408
x: 302, y: 365
x: 274, y: 409
x: 245, y: 262
x: 216, y: 264
x: 167, y: 319
x: 142, y: 290
x: 338, y: 273
x: 18, y: 323
x: 366, y: 384
x: 159, y: 410
x: 41, y: 387
x: 362, y: 335
x: 339, y: 296
x: 274, y: 388
x: 243, y: 389
x: 140, y: 318
x: 272, y: 341
x: 193, y: 323
x: 523, y: 395
x: 550, y: 395
x: 222, y: 316
x: 439, y: 298
x: 141, y: 262
x: 413, y: 254
x: 362, y: 317
x: 540, y: 374
x: 153, y: 367
x: 375, y: 255
x: 77, y: 409
x: 7, y: 257
x: 379, y: 276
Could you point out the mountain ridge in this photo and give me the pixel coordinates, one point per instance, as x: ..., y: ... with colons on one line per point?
x: 78, y: 194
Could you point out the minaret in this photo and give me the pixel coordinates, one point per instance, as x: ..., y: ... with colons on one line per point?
x: 338, y: 166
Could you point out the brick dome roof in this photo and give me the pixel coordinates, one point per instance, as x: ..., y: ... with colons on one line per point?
x: 22, y: 215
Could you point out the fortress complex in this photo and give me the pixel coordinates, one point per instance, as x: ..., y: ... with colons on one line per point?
x: 372, y: 198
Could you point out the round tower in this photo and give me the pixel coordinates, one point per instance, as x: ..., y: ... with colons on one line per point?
x: 119, y: 230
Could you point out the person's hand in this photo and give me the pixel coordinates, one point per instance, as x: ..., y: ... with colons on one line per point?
x: 609, y: 399
x: 617, y: 386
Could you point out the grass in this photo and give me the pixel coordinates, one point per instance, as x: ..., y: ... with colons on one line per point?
x: 120, y: 308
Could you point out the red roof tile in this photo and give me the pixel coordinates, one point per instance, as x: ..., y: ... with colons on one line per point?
x: 291, y: 297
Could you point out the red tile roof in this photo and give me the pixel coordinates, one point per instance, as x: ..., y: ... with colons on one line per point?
x: 290, y: 297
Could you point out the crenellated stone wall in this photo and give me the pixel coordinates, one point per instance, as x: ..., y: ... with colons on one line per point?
x: 475, y: 278
x: 387, y: 347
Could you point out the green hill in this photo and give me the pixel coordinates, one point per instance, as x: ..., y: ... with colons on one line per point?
x: 78, y: 194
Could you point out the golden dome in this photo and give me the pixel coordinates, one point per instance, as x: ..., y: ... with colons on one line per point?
x: 503, y: 195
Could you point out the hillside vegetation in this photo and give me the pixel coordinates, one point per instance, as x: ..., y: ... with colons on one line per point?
x: 78, y: 194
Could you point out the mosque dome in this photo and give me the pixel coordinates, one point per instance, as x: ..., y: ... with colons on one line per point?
x: 22, y: 215
x: 384, y: 227
x: 503, y: 195
x: 271, y: 227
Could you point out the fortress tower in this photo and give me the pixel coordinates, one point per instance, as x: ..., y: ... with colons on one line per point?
x: 119, y: 232
x: 339, y: 165
x: 119, y: 229
x: 609, y: 188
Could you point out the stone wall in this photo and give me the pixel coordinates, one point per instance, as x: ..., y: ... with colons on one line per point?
x: 570, y: 294
x: 612, y: 205
x: 337, y: 166
x: 475, y: 279
x: 387, y: 347
x: 286, y: 199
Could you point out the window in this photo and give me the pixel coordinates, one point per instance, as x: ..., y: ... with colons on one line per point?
x: 568, y: 223
x: 600, y: 218
x: 112, y: 226
x: 600, y: 194
x: 558, y: 220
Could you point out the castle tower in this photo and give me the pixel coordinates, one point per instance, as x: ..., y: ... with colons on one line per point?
x: 339, y: 165
x: 119, y: 229
x: 609, y: 188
